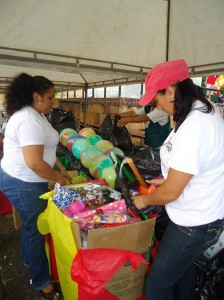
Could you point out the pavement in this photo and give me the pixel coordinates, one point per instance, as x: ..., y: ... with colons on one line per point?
x: 14, y: 276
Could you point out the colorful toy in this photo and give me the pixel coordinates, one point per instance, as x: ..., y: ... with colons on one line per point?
x: 108, y: 218
x: 89, y: 154
x: 135, y: 171
x: 104, y: 145
x: 94, y: 139
x: 105, y: 163
x: 109, y: 175
x: 79, y: 146
x: 71, y: 139
x: 64, y: 134
x: 98, y: 164
x: 87, y: 131
x: 116, y: 151
x: 77, y: 207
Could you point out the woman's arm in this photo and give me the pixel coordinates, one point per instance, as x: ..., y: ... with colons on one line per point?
x: 156, y: 181
x: 136, y: 119
x: 126, y: 114
x: 33, y: 156
x: 62, y: 169
x: 169, y: 191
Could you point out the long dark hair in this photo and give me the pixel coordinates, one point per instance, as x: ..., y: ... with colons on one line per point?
x: 186, y: 94
x: 20, y: 91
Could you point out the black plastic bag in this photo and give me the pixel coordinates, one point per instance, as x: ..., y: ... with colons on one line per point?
x: 119, y: 136
x: 105, y: 129
x: 147, y: 161
x: 74, y: 164
x: 61, y: 118
x: 210, y: 277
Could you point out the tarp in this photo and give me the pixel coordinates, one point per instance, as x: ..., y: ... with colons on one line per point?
x: 107, y: 42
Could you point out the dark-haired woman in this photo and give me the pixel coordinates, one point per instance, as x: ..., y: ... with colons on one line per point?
x: 26, y: 167
x: 192, y: 161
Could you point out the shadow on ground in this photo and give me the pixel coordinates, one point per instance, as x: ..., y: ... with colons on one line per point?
x: 14, y: 276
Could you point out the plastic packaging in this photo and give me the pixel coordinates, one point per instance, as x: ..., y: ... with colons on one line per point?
x: 214, y: 249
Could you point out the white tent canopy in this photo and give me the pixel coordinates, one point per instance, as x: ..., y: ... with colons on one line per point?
x: 91, y: 43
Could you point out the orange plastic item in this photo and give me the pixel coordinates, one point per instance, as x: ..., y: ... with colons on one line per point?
x: 144, y: 191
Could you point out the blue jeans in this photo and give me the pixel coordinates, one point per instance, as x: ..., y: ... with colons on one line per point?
x: 172, y: 275
x: 25, y: 198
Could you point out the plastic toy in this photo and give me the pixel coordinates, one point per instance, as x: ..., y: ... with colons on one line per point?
x: 87, y: 131
x: 64, y: 134
x: 71, y: 139
x: 109, y: 175
x: 104, y: 145
x: 94, y: 139
x: 98, y: 164
x: 116, y: 151
x: 79, y: 146
x: 89, y: 154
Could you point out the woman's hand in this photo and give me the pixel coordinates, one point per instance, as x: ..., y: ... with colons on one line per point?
x: 122, y: 122
x: 140, y: 201
x: 65, y: 174
x: 61, y: 180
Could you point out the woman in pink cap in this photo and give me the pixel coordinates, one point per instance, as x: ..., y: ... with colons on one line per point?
x: 192, y: 162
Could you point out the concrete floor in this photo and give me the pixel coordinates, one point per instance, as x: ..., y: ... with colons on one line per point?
x: 14, y: 276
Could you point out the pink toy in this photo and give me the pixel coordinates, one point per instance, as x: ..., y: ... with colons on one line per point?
x: 77, y: 207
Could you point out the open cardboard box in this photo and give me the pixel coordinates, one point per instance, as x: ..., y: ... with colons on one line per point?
x: 126, y: 284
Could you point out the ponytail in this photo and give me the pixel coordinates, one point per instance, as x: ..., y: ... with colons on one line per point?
x: 20, y: 92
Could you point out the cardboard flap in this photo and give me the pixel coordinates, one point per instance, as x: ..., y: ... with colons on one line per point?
x: 132, y: 237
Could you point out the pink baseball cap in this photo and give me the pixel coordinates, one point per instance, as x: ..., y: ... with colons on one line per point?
x: 162, y: 76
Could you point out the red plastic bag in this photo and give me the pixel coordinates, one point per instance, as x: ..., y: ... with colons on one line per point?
x: 53, y: 265
x: 92, y: 268
x: 5, y: 205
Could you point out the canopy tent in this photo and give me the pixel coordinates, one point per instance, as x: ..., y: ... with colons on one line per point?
x: 95, y: 43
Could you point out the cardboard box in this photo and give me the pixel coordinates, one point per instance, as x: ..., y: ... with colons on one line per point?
x: 126, y: 284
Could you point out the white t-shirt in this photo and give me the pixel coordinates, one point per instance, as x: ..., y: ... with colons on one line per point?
x: 155, y: 115
x: 197, y: 148
x: 27, y: 127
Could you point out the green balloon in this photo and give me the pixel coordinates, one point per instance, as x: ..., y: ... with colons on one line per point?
x: 109, y: 175
x: 105, y: 163
x: 98, y: 164
x: 89, y: 154
x: 79, y: 146
x: 94, y: 139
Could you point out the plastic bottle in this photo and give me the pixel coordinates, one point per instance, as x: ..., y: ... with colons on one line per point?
x: 214, y: 249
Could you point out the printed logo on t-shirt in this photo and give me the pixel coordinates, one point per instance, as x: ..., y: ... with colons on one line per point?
x: 168, y: 145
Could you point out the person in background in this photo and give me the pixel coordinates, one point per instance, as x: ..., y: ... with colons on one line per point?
x: 27, y: 166
x: 2, y: 119
x: 192, y: 190
x: 220, y: 97
x: 210, y: 85
x: 157, y: 123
